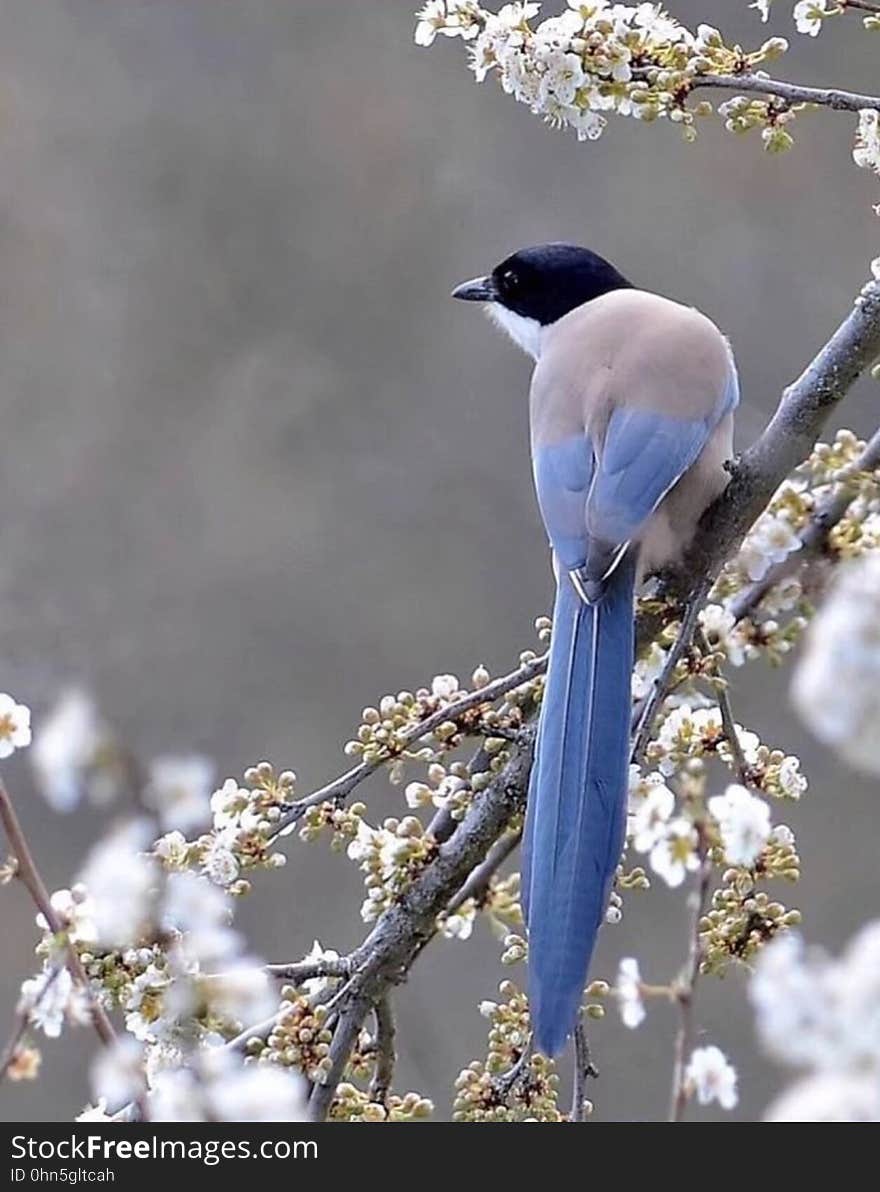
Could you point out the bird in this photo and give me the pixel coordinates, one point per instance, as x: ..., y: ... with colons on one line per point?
x: 631, y: 423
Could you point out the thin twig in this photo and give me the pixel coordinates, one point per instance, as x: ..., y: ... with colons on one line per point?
x: 728, y: 723
x: 386, y: 1056
x: 584, y: 1069
x: 662, y: 683
x: 479, y: 879
x: 30, y: 877
x: 684, y: 991
x: 309, y: 970
x: 826, y: 97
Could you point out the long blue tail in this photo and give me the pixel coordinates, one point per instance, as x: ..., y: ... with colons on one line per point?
x: 577, y: 797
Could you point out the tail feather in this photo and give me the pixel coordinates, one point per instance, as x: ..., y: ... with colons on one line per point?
x: 577, y: 797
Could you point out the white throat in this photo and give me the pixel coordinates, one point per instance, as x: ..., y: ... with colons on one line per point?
x: 524, y: 332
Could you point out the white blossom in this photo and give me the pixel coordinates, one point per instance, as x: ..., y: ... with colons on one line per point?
x: 219, y: 862
x: 46, y: 999
x: 771, y: 540
x: 763, y: 8
x: 711, y: 1077
x: 144, y: 990
x: 829, y: 1097
x: 808, y: 15
x: 227, y: 803
x: 257, y: 1093
x: 816, y: 1012
x: 866, y: 148
x: 744, y: 823
x: 179, y: 791
x: 15, y: 725
x: 95, y: 1113
x: 120, y: 880
x: 675, y: 853
x: 316, y: 986
x: 791, y: 781
x: 175, y: 1096
x: 118, y: 1072
x: 445, y: 686
x: 460, y: 924
x: 628, y: 989
x: 450, y: 19
x: 647, y: 671
x: 75, y: 911
x: 836, y: 685
x: 172, y: 849
x: 651, y: 815
x: 70, y: 745
x: 242, y: 993
x: 201, y: 912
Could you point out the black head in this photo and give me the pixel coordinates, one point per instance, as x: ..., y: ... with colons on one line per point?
x: 545, y: 282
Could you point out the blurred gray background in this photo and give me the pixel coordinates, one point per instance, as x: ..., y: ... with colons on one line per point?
x: 257, y: 469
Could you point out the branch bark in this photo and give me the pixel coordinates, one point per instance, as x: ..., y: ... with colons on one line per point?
x: 826, y: 97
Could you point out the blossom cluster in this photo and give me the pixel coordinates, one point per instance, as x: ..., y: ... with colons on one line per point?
x: 486, y: 1091
x: 819, y: 1015
x: 596, y: 58
x: 772, y: 552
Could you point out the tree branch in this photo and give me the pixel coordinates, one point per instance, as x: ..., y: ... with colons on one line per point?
x: 386, y: 1056
x: 826, y: 97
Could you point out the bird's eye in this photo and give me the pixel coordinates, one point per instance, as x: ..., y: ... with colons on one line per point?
x: 509, y: 279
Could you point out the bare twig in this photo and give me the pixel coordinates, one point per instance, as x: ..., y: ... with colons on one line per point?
x: 584, y: 1069
x: 479, y: 879
x: 727, y: 719
x: 661, y: 686
x: 29, y: 876
x: 386, y: 1056
x: 308, y: 970
x: 826, y: 97
x: 684, y: 991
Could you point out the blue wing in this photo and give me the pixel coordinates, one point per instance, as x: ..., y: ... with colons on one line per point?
x: 594, y: 502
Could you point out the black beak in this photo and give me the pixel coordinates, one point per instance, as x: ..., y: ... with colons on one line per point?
x: 479, y: 289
